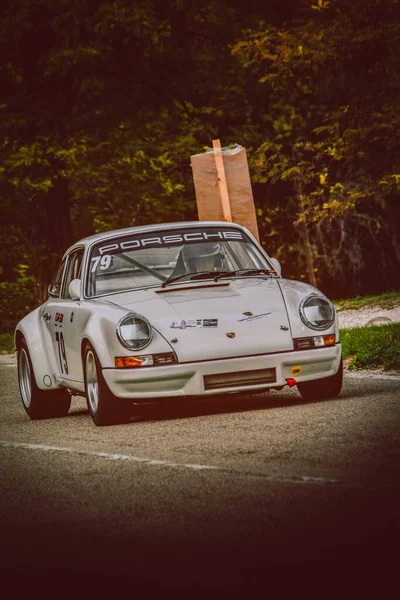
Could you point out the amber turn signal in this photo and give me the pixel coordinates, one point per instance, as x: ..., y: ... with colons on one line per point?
x: 122, y: 362
x: 324, y: 340
x: 145, y: 360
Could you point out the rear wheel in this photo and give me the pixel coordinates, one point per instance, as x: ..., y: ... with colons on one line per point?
x: 321, y: 389
x: 39, y: 404
x: 104, y: 407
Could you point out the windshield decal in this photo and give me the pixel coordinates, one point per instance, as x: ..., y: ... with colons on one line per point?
x: 192, y: 237
x: 105, y: 262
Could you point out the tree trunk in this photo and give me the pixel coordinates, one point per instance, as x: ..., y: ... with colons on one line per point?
x: 309, y: 255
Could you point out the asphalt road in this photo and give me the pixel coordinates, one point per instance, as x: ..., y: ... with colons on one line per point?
x: 228, y: 497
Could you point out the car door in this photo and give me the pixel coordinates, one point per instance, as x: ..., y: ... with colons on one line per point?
x: 61, y: 316
x: 50, y: 310
x: 66, y: 321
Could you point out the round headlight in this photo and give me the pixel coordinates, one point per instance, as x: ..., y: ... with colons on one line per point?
x: 134, y: 332
x: 317, y: 312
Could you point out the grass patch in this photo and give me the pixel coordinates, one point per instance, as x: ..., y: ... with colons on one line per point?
x: 374, y: 347
x: 6, y: 343
x: 387, y: 300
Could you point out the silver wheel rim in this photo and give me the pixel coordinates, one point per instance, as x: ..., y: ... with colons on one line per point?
x: 25, y: 378
x: 92, y: 384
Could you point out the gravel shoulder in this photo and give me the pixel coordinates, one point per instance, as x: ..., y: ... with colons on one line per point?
x: 371, y: 315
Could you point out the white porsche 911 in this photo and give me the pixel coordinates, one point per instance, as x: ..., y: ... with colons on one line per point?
x: 173, y: 310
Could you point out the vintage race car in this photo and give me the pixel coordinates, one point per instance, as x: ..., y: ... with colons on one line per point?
x: 173, y: 310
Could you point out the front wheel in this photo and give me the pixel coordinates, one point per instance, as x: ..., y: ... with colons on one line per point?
x: 322, y: 389
x: 39, y: 404
x: 104, y: 407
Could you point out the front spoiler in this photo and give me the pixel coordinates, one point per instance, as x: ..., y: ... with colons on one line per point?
x: 147, y: 383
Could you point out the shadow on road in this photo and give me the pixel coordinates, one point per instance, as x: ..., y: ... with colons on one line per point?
x: 178, y: 408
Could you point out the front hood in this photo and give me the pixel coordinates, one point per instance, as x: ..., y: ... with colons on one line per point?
x: 205, y: 321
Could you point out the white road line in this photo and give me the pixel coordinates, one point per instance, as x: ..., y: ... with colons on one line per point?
x: 108, y: 455
x: 164, y: 463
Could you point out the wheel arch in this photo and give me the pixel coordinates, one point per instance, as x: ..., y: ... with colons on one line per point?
x: 85, y: 342
x: 40, y: 348
x: 18, y: 337
x: 100, y: 332
x: 104, y: 356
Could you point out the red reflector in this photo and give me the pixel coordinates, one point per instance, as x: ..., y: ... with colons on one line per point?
x: 291, y: 382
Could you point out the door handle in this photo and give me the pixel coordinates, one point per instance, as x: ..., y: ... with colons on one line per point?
x: 46, y: 316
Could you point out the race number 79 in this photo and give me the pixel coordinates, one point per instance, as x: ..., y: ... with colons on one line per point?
x: 105, y: 262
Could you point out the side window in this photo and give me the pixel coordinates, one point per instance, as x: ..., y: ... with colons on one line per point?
x: 55, y: 286
x: 73, y: 271
x: 248, y: 256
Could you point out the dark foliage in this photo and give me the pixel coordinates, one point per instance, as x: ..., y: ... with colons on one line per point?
x: 103, y: 103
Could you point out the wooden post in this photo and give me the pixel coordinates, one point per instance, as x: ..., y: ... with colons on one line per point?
x: 223, y: 188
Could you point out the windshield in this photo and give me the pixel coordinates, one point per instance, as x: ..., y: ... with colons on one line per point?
x: 149, y: 260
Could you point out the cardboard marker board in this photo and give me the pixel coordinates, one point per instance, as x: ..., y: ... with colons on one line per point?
x: 223, y: 187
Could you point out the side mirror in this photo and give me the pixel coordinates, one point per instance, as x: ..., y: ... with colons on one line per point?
x: 53, y: 290
x: 277, y: 265
x: 74, y: 289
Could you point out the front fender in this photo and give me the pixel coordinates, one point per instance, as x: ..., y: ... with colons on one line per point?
x: 293, y: 293
x: 100, y: 330
x: 40, y: 347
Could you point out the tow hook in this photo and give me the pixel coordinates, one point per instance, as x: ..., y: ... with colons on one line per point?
x: 291, y: 382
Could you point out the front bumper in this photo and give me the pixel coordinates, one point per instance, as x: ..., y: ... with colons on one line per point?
x: 190, y: 379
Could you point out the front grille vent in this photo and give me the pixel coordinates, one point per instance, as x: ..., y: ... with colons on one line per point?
x: 240, y: 379
x: 166, y: 358
x: 305, y: 343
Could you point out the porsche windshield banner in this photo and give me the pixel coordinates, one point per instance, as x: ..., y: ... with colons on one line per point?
x: 191, y: 236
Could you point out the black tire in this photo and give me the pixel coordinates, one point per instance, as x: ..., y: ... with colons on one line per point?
x: 322, y: 389
x: 39, y: 404
x: 103, y: 406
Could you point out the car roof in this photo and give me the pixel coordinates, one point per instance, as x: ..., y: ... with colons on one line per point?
x: 92, y: 239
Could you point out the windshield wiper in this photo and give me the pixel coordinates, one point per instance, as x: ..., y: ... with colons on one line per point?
x: 176, y: 278
x: 249, y: 272
x: 215, y: 275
